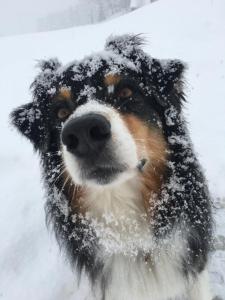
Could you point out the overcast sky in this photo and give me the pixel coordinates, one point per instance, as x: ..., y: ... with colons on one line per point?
x: 20, y: 16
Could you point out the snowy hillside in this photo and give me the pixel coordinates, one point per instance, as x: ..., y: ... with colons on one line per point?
x: 31, y: 266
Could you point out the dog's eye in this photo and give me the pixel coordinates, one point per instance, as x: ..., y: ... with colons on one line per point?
x: 63, y: 113
x: 125, y: 93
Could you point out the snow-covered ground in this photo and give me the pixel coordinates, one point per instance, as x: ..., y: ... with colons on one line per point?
x: 31, y: 266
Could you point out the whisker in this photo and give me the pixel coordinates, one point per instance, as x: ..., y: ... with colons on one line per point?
x: 65, y: 182
x: 71, y: 183
x: 74, y: 187
x: 61, y: 173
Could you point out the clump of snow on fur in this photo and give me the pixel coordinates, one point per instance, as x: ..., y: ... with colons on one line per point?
x: 171, y: 116
x: 87, y: 92
x: 30, y: 114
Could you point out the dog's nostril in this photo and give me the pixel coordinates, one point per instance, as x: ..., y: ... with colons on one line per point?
x: 86, y: 135
x: 72, y: 141
x: 98, y: 133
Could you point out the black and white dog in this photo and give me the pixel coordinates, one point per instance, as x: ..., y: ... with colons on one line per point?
x: 125, y: 192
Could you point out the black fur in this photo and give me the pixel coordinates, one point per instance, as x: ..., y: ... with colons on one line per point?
x: 159, y: 96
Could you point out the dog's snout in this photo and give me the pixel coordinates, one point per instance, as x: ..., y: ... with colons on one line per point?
x: 87, y: 135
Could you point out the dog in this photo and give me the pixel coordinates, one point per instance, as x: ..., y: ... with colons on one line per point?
x: 126, y: 195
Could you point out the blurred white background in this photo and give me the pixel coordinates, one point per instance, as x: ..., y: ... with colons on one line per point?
x: 25, y: 16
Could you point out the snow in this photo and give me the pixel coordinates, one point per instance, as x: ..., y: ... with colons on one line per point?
x: 31, y: 266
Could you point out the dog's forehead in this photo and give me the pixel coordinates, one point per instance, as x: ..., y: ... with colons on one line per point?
x: 100, y: 65
x: 99, y: 70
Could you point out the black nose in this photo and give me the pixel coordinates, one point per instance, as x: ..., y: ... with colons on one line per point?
x: 87, y: 135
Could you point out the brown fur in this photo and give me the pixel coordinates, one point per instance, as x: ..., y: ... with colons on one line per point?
x: 150, y: 141
x: 111, y: 79
x: 64, y: 94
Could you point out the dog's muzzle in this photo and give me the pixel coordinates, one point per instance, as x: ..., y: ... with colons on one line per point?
x: 89, y: 139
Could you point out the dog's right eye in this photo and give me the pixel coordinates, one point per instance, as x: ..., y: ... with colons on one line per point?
x: 63, y: 113
x: 125, y: 93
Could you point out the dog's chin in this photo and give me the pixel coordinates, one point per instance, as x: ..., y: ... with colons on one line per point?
x: 103, y: 175
x: 112, y: 175
x: 107, y: 176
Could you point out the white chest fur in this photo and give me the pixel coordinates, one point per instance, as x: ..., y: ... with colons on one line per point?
x: 136, y: 267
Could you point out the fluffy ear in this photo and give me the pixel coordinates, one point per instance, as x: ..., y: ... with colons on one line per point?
x: 42, y: 83
x: 127, y: 45
x: 51, y: 64
x: 28, y: 120
x: 167, y: 82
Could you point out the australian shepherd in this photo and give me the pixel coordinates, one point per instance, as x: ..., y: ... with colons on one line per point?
x: 125, y: 193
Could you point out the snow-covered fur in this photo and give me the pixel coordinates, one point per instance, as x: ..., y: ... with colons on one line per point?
x: 125, y: 193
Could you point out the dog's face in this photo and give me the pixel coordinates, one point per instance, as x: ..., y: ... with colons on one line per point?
x: 104, y: 138
x: 104, y: 115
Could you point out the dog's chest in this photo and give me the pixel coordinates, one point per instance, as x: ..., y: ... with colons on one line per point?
x: 125, y: 277
x: 119, y: 219
x: 134, y: 265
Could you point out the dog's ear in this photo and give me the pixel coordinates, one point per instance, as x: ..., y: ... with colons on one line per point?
x: 127, y: 45
x: 43, y: 82
x: 28, y: 120
x: 167, y: 81
x: 51, y: 65
x: 31, y: 119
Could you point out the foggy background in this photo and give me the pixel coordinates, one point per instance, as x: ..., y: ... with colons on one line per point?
x: 25, y: 16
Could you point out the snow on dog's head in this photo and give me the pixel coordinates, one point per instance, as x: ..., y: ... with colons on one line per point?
x: 101, y: 118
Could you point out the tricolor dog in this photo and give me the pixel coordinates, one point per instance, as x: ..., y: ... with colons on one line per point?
x: 125, y: 193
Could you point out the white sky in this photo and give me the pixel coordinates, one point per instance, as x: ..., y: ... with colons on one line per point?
x: 20, y: 16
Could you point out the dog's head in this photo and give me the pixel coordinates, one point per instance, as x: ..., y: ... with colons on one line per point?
x: 104, y: 114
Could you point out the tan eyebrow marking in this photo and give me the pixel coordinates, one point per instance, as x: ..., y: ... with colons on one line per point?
x: 64, y: 94
x: 112, y: 79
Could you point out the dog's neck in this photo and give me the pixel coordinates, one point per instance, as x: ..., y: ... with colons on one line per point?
x: 122, y: 199
x: 118, y: 216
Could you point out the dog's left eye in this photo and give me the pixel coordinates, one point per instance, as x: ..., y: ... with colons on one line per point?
x: 63, y: 113
x: 125, y: 93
